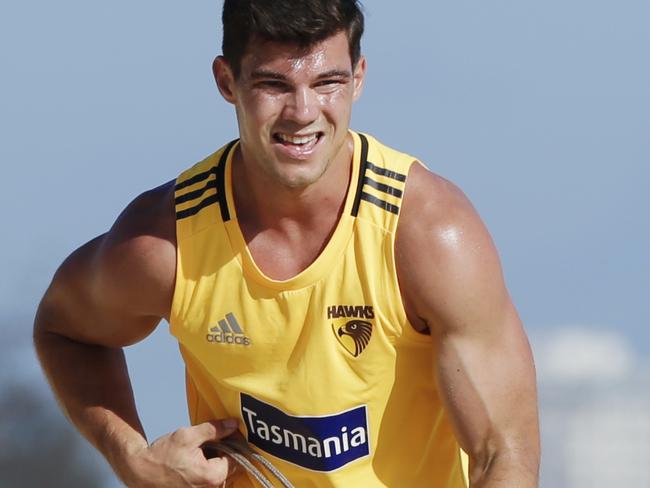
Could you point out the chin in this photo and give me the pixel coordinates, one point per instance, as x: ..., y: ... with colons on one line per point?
x: 299, y: 177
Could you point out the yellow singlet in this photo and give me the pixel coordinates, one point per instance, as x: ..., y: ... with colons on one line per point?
x: 328, y: 378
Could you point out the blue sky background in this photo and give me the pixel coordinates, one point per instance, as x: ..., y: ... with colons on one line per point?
x: 540, y: 112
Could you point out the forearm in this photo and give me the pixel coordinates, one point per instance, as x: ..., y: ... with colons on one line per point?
x: 93, y: 388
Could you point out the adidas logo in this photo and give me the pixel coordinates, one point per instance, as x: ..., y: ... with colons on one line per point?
x: 228, y: 332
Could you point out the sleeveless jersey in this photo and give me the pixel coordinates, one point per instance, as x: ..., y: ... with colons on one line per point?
x: 329, y: 380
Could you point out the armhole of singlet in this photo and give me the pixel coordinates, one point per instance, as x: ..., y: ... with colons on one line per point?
x: 409, y: 332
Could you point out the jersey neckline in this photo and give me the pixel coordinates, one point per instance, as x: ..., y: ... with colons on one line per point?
x: 328, y: 256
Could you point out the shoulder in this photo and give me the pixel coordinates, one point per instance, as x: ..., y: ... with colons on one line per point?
x: 146, y: 224
x: 444, y: 252
x: 437, y: 211
x: 140, y: 249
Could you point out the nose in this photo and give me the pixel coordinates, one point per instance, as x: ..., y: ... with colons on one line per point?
x: 302, y: 106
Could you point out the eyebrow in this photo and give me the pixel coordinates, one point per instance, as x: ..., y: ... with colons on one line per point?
x: 335, y: 73
x: 262, y: 73
x: 274, y: 75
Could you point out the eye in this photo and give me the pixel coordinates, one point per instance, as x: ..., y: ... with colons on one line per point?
x: 328, y: 84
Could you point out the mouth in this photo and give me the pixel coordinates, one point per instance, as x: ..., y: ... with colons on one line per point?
x: 297, y: 146
x: 298, y: 140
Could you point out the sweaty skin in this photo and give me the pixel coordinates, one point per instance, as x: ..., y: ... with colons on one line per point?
x: 114, y: 290
x: 452, y: 287
x: 110, y: 293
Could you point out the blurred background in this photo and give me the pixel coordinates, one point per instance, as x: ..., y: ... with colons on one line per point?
x: 540, y: 112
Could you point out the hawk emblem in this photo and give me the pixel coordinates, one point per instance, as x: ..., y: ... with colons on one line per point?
x: 354, y: 335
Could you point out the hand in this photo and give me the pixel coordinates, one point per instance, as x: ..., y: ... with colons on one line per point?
x: 177, y: 460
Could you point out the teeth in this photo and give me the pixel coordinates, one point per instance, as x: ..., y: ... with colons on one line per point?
x: 297, y: 139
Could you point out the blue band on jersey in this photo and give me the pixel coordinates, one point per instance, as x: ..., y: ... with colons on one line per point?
x: 322, y: 443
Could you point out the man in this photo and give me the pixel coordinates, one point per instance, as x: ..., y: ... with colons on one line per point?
x: 336, y: 304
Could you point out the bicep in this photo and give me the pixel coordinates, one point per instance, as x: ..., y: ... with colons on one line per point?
x: 83, y: 301
x: 483, y: 363
x: 114, y: 290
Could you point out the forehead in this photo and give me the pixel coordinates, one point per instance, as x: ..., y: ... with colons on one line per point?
x: 291, y: 60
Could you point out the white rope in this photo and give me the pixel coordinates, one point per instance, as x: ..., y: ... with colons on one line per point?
x: 241, y: 453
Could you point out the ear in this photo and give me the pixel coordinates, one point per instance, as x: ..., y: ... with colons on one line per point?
x: 225, y: 78
x: 359, y: 77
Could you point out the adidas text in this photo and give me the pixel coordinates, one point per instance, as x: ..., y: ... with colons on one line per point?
x: 228, y: 332
x: 221, y: 338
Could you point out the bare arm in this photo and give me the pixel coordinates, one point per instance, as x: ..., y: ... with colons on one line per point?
x: 110, y: 293
x: 454, y: 288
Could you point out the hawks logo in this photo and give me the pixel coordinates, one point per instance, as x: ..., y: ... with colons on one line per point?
x: 354, y: 335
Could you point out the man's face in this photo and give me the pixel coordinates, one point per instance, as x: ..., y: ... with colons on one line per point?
x: 293, y: 106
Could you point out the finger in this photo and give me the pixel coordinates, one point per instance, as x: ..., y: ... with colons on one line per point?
x: 214, y: 430
x: 211, y: 451
x: 222, y: 468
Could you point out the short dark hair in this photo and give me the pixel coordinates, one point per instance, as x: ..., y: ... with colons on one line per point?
x: 302, y: 22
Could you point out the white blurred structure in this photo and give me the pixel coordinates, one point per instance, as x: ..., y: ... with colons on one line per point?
x: 594, y: 410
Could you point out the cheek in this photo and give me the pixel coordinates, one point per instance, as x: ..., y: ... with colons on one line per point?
x: 342, y: 95
x: 338, y: 104
x: 261, y: 109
